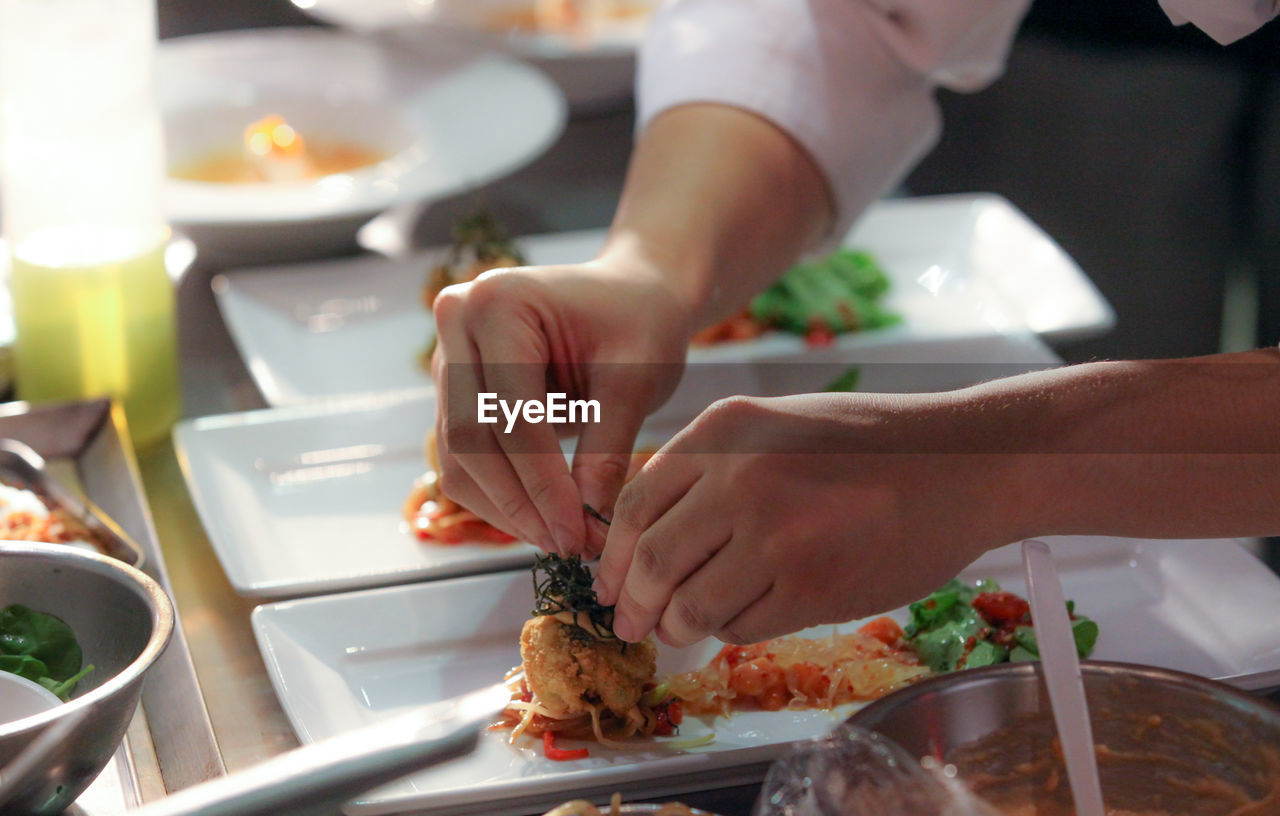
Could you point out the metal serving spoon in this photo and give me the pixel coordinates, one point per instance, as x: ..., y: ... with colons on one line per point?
x: 340, y: 768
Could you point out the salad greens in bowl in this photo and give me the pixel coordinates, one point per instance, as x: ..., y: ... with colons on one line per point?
x: 41, y: 648
x: 85, y: 627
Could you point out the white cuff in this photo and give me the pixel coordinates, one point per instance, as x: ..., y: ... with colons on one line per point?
x: 851, y: 80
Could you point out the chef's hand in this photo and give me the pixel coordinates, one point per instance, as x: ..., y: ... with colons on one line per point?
x: 766, y: 516
x: 593, y: 331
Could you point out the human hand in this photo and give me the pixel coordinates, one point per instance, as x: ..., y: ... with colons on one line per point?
x: 605, y: 330
x: 766, y: 516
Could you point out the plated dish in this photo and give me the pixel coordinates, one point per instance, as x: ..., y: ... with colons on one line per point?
x: 962, y: 270
x: 373, y: 126
x: 309, y: 499
x: 318, y: 495
x: 36, y: 507
x: 336, y: 665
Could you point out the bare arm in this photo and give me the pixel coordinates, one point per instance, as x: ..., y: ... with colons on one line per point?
x: 875, y: 499
x: 820, y: 107
x: 717, y: 202
x: 1161, y: 449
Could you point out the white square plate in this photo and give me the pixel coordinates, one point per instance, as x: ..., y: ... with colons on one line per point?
x: 961, y: 267
x: 342, y: 661
x: 307, y: 499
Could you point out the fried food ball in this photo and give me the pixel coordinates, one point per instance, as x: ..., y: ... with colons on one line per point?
x: 568, y: 671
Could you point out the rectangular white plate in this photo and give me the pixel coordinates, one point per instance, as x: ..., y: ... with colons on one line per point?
x: 307, y: 499
x: 961, y: 267
x: 341, y: 661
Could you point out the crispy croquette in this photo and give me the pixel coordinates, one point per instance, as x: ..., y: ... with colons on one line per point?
x: 568, y: 671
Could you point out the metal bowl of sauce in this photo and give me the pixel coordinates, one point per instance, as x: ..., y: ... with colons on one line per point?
x: 1167, y: 742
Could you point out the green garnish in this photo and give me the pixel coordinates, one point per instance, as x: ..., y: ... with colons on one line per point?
x: 848, y: 381
x: 563, y: 585
x: 478, y: 238
x: 596, y: 514
x: 482, y: 237
x: 42, y: 648
x: 841, y: 292
x: 948, y: 633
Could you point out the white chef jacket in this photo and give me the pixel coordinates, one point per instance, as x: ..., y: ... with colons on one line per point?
x: 853, y: 81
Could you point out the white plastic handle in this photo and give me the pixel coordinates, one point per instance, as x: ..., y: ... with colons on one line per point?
x: 1062, y: 676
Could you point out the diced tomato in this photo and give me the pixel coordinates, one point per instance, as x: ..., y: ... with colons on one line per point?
x: 1001, y: 609
x: 819, y: 333
x: 675, y: 711
x: 669, y: 715
x: 559, y: 754
x: 884, y: 629
x: 526, y: 696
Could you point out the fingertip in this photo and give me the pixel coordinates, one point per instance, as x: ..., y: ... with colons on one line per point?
x: 547, y: 544
x: 604, y: 595
x: 595, y: 537
x: 566, y: 540
x: 626, y: 629
x: 604, y: 584
x: 664, y: 636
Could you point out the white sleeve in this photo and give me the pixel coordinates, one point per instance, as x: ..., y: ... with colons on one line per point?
x: 1224, y: 20
x: 851, y: 80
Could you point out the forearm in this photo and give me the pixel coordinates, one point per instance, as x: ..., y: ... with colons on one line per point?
x: 717, y: 203
x: 1163, y: 449
x: 771, y: 125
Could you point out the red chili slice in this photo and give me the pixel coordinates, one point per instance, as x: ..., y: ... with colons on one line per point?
x: 559, y: 754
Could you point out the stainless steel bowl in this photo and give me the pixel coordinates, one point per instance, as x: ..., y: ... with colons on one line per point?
x: 122, y: 620
x: 1166, y: 734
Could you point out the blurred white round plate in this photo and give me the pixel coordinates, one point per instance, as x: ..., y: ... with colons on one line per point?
x: 594, y: 63
x: 447, y: 119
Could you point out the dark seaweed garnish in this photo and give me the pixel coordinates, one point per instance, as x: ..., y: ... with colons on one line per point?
x: 564, y: 585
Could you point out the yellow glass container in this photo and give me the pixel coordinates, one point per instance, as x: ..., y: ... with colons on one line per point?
x: 82, y: 180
